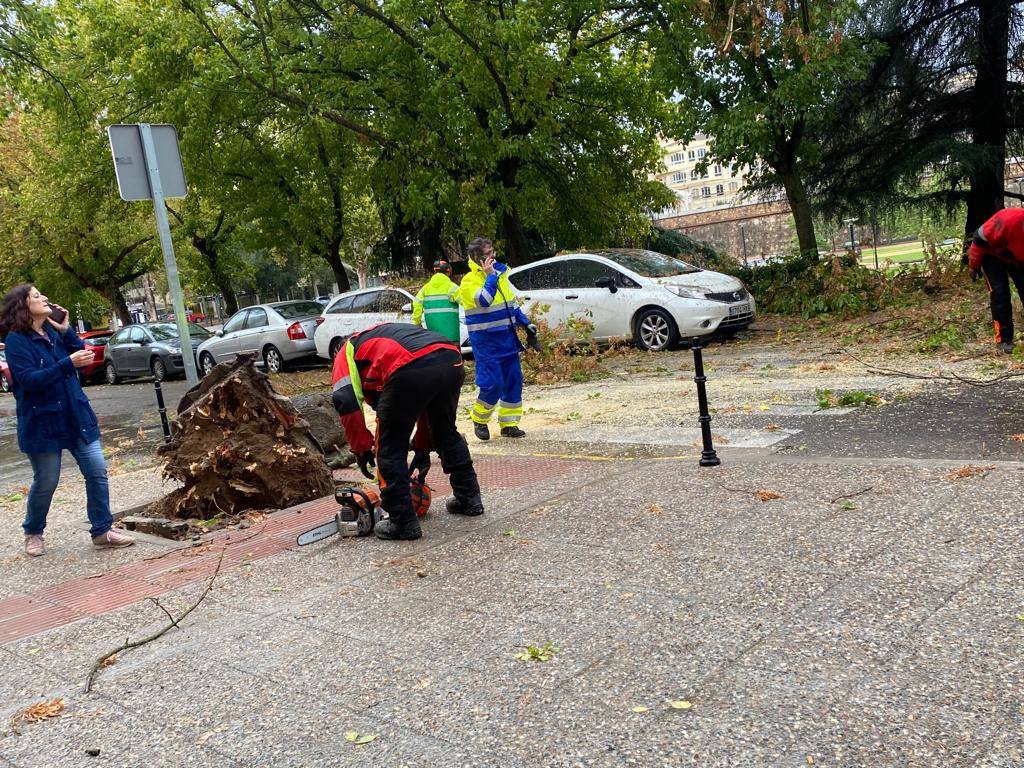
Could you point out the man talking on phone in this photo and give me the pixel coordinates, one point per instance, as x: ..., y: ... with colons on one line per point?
x: 492, y: 316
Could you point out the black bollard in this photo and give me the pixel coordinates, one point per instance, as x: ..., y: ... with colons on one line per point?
x: 708, y: 457
x: 163, y: 410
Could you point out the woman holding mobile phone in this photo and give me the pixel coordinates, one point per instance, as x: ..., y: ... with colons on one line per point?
x: 53, y: 412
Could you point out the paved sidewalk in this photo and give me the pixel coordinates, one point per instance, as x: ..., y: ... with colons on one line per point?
x: 880, y: 629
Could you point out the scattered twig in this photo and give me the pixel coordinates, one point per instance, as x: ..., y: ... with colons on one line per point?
x: 881, y: 370
x: 160, y: 605
x: 127, y: 646
x: 751, y: 491
x: 851, y: 495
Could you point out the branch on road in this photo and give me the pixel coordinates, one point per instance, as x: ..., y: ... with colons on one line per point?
x: 884, y: 371
x: 104, y: 660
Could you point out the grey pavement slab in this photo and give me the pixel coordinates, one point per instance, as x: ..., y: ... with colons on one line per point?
x: 882, y: 631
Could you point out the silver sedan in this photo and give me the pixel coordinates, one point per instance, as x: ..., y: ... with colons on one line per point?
x: 280, y: 333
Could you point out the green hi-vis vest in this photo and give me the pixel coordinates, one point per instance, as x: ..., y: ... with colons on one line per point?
x: 436, y: 305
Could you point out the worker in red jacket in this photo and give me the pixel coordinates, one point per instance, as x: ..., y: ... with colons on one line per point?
x: 998, y: 251
x: 407, y: 374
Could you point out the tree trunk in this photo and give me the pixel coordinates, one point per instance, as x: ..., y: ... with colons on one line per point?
x: 510, y: 228
x: 796, y: 194
x: 431, y: 246
x: 112, y: 293
x: 517, y: 250
x: 333, y: 257
x: 989, y: 112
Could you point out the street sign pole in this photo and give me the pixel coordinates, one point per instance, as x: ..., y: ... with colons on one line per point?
x: 163, y: 227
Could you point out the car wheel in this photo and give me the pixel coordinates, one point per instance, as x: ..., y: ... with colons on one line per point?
x: 158, y: 368
x: 112, y: 377
x: 655, y: 330
x: 207, y: 363
x: 335, y: 348
x: 273, y: 360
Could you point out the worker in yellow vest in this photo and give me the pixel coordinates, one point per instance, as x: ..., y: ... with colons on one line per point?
x: 436, y: 305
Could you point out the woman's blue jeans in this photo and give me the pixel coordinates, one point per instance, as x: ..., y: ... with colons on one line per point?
x: 46, y: 474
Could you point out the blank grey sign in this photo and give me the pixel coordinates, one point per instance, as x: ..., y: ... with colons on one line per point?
x: 130, y: 161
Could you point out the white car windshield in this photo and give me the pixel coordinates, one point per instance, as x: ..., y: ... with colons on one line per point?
x: 649, y: 263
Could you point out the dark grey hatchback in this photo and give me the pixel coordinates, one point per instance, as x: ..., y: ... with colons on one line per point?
x: 149, y: 349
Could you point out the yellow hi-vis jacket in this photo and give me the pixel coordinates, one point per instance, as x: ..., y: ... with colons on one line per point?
x: 437, y: 303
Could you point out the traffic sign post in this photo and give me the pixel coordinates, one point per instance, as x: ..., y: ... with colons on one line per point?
x: 148, y: 167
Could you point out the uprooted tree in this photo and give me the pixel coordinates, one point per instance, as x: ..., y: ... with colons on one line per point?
x: 239, y: 445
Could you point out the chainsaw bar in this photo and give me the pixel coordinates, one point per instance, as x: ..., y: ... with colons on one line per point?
x: 319, y: 533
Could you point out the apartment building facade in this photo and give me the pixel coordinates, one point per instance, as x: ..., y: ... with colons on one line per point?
x: 696, y: 190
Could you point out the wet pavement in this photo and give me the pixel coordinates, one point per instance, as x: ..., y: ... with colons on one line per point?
x: 127, y: 414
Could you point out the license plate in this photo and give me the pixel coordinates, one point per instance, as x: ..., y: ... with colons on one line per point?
x: 739, y: 309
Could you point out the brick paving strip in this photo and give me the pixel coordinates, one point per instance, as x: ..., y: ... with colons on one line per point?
x: 54, y: 606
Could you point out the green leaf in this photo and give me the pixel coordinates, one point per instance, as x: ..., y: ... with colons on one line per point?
x: 354, y: 737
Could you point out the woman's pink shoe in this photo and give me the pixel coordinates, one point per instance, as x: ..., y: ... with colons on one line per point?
x: 112, y: 540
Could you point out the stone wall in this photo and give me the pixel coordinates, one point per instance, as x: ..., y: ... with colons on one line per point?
x: 766, y: 228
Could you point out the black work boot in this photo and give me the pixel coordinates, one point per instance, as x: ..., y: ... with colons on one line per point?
x: 1005, y: 346
x: 481, y: 431
x: 386, y: 529
x: 471, y: 508
x: 512, y: 431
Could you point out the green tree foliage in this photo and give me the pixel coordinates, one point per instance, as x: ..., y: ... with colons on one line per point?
x: 503, y: 117
x: 931, y: 124
x: 755, y: 76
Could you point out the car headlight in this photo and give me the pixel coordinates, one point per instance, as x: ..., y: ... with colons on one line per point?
x: 685, y: 293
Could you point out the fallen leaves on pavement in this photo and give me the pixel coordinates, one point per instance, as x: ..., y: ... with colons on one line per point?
x: 970, y: 470
x: 41, y: 710
x: 767, y: 495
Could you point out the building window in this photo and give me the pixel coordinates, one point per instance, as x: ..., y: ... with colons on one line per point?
x: 678, y: 177
x: 694, y: 174
x: 691, y: 155
x: 704, y: 175
x: 719, y: 189
x: 718, y: 170
x: 706, y: 191
x: 695, y: 192
x: 701, y: 152
x: 677, y: 158
x: 733, y: 186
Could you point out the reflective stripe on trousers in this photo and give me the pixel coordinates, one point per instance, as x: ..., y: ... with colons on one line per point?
x: 509, y: 414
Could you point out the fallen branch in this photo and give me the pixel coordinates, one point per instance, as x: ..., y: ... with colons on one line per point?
x: 883, y: 371
x: 851, y: 495
x: 127, y: 646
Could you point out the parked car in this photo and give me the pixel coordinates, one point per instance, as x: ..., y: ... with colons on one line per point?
x: 6, y: 382
x: 148, y: 349
x: 356, y: 310
x: 95, y: 342
x: 280, y: 333
x: 647, y: 296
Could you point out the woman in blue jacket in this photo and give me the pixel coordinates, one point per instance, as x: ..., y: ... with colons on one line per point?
x: 53, y: 413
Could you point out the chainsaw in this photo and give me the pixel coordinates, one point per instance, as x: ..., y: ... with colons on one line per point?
x: 360, y: 511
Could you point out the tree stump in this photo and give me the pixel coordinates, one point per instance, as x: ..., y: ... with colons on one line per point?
x: 238, y: 445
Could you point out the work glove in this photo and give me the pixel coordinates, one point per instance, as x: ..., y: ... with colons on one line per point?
x: 420, y: 463
x: 531, y: 338
x: 975, y: 274
x: 366, y: 462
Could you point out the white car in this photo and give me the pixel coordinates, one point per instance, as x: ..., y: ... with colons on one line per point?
x: 357, y: 310
x: 654, y: 299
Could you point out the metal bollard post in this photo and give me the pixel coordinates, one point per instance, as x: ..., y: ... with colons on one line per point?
x: 708, y: 457
x: 163, y: 410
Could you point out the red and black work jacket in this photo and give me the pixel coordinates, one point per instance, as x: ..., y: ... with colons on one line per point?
x: 366, y: 363
x: 1001, y: 236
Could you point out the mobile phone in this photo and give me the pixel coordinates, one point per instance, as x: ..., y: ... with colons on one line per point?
x: 57, y: 314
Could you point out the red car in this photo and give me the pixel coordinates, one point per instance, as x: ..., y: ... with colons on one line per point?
x: 5, y: 374
x: 95, y: 342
